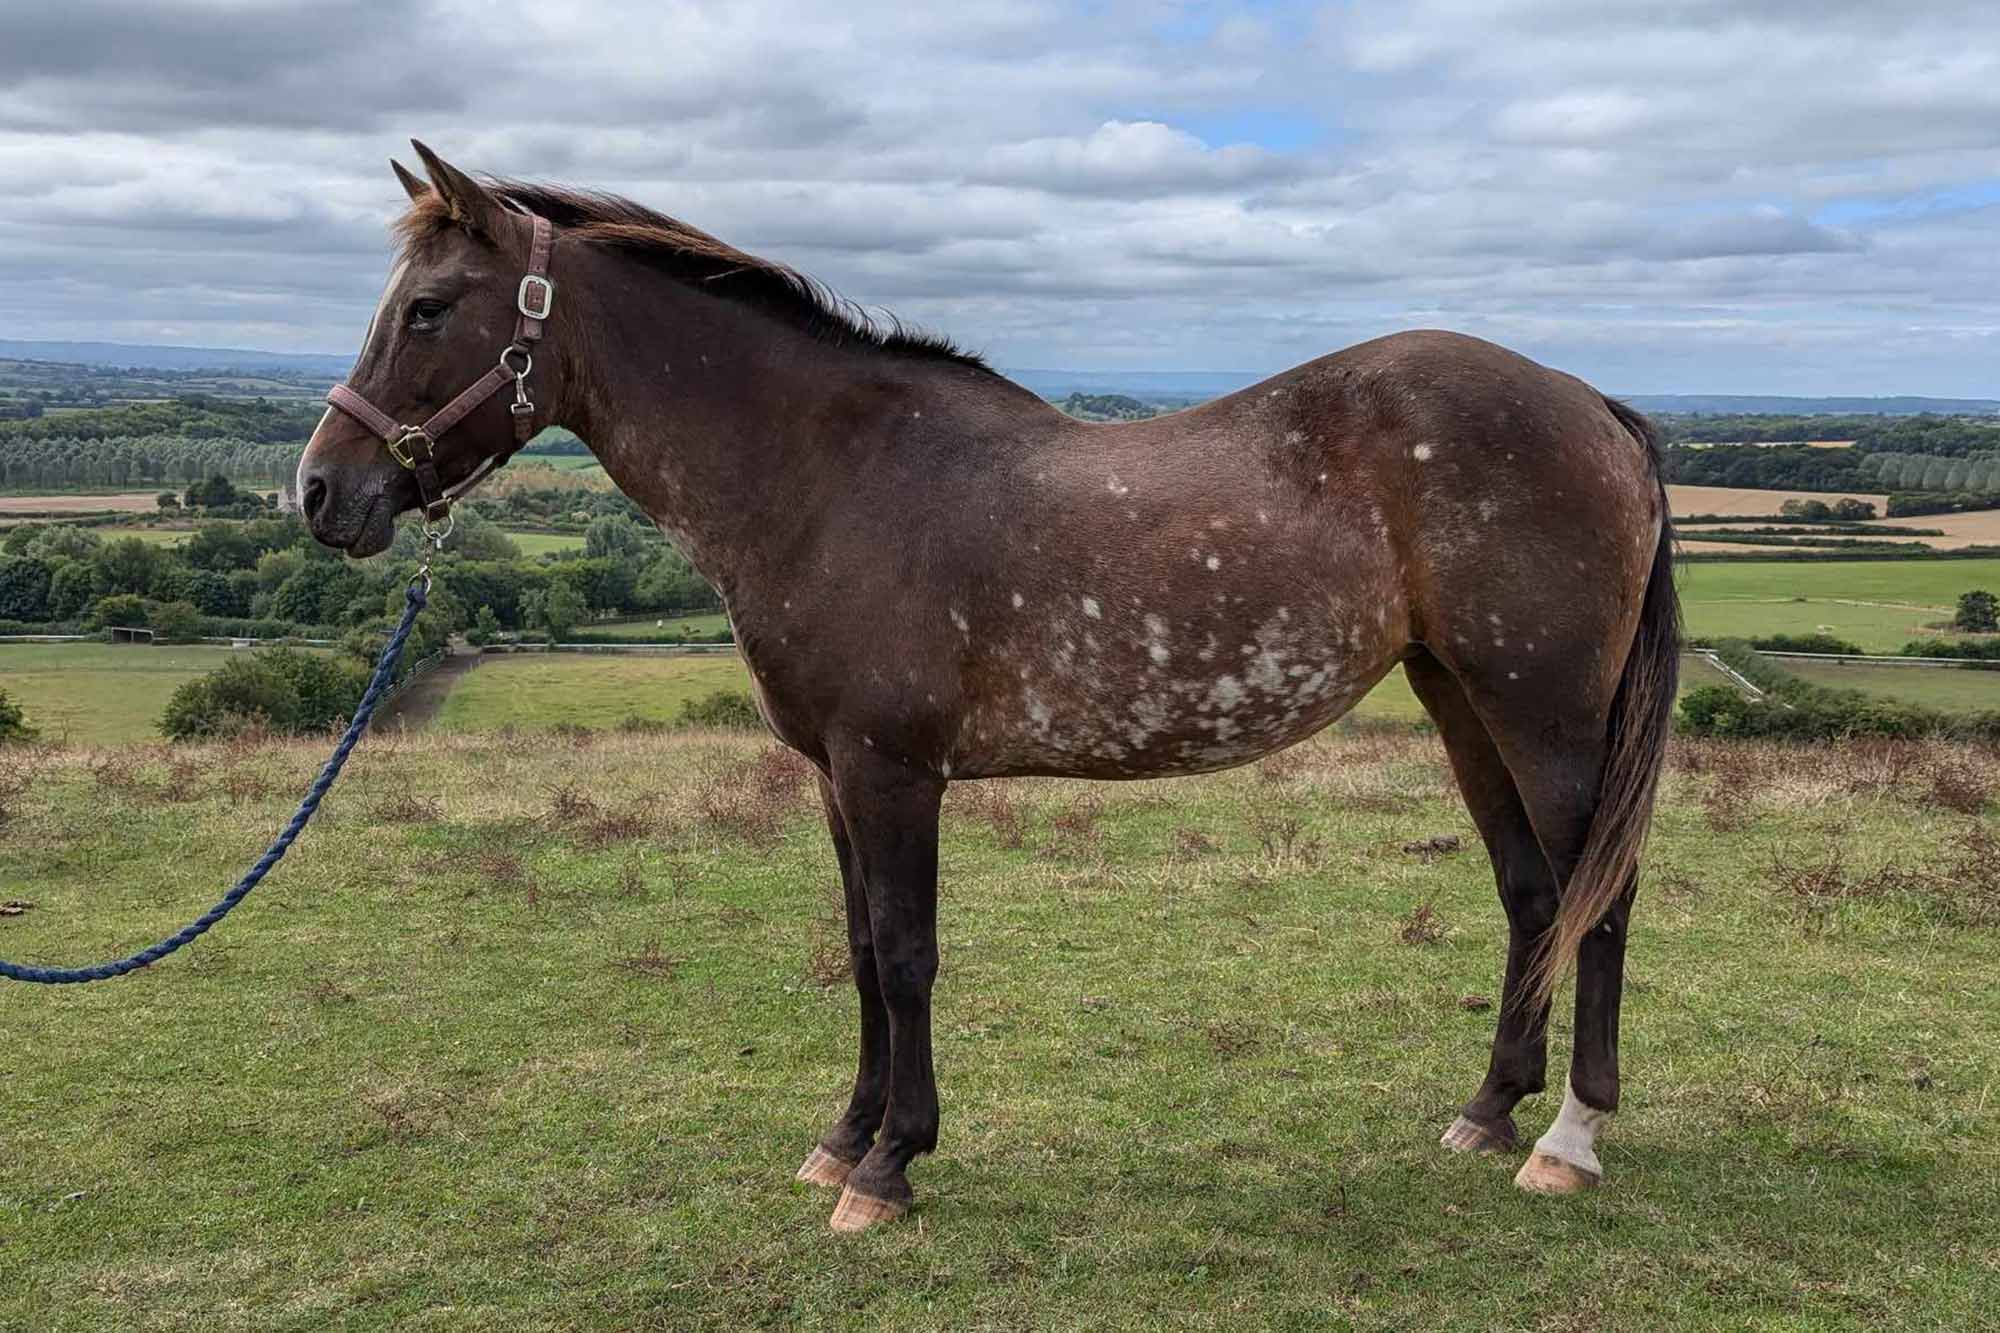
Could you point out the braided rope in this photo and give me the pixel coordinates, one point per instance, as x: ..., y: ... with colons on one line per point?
x: 61, y: 976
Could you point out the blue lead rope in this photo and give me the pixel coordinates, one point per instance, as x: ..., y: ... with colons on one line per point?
x: 62, y: 976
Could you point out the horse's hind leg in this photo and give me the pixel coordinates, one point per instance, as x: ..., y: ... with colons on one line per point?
x: 1554, y: 746
x: 854, y: 1133
x: 1519, y: 1062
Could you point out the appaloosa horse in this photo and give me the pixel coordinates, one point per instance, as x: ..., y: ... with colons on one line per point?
x: 934, y: 575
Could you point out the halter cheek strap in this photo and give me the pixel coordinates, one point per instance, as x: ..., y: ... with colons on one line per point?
x: 415, y: 447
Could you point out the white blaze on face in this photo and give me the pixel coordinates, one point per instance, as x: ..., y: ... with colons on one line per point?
x: 388, y: 302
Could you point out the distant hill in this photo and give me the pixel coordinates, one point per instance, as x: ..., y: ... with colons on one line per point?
x: 152, y: 357
x: 1760, y: 405
x: 1172, y: 388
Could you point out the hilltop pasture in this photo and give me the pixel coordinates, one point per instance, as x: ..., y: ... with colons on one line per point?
x: 534, y: 1036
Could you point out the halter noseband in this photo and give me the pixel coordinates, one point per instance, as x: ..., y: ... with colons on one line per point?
x: 415, y: 447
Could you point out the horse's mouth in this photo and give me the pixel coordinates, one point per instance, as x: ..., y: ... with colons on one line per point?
x: 360, y: 537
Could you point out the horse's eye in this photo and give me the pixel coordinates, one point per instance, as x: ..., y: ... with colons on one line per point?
x: 425, y: 314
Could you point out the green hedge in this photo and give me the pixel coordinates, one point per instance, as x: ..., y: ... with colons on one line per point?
x: 1799, y: 710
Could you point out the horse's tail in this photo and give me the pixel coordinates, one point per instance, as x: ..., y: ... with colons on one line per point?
x: 1640, y: 724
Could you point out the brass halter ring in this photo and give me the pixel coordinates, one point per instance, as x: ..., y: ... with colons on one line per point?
x: 400, y: 445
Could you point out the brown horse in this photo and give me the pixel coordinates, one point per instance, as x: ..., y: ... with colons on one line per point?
x: 934, y: 575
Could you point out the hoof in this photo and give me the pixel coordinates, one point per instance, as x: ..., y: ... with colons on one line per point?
x: 1471, y: 1136
x: 1544, y: 1174
x: 858, y: 1212
x: 823, y: 1168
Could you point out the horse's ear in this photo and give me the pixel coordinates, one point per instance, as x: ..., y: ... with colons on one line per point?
x: 468, y: 200
x: 413, y: 187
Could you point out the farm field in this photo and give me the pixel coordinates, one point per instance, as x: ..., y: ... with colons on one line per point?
x: 1686, y: 500
x: 545, y: 543
x: 100, y: 693
x: 481, y: 1056
x: 710, y: 622
x: 535, y: 690
x: 143, y: 502
x: 1878, y: 604
x: 1949, y: 688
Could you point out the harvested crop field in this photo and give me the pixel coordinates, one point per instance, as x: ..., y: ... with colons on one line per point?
x: 1741, y: 500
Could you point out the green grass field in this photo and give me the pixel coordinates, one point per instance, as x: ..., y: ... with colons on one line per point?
x: 543, y: 543
x: 1753, y: 598
x: 479, y: 1058
x: 643, y: 627
x: 1940, y: 687
x: 601, y: 690
x: 96, y: 693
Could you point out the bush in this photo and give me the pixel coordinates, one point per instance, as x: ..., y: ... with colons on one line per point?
x: 1798, y: 710
x: 13, y: 722
x: 175, y: 620
x: 281, y: 689
x: 731, y: 710
x: 1807, y: 643
x: 1978, y: 613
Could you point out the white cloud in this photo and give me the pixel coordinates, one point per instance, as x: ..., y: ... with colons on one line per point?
x: 1698, y: 194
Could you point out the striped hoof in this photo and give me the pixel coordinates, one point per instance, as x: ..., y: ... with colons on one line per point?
x: 823, y: 1168
x: 858, y: 1212
x: 1544, y: 1174
x: 1471, y: 1136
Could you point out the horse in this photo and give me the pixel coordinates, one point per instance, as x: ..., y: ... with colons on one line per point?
x: 935, y: 576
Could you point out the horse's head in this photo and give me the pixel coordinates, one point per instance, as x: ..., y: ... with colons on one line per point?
x: 452, y: 311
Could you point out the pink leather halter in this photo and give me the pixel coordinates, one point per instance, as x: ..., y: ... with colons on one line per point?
x: 415, y: 447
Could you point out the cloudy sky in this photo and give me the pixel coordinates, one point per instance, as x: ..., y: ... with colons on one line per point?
x: 1676, y: 196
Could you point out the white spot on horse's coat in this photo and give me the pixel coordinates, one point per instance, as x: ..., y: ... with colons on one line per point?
x: 1117, y: 487
x: 1263, y: 517
x: 1214, y: 562
x: 1322, y: 478
x: 1487, y: 509
x: 1513, y: 675
x: 1225, y: 694
x: 958, y: 619
x: 1156, y: 640
x: 868, y: 741
x: 944, y: 768
x: 1091, y: 609
x: 1421, y: 453
x: 1017, y: 601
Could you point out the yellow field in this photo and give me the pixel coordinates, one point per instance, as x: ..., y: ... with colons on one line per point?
x: 1738, y: 500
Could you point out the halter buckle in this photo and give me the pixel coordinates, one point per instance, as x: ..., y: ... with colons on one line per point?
x: 535, y: 297
x: 400, y: 445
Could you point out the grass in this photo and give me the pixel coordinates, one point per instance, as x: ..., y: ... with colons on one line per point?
x: 1949, y: 688
x: 545, y: 543
x: 535, y: 691
x: 505, y: 1057
x: 97, y: 693
x: 1878, y: 604
x: 711, y: 622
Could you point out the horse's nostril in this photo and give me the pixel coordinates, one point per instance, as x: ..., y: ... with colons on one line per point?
x: 313, y: 498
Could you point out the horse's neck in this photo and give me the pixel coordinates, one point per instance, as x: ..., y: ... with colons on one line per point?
x: 730, y: 427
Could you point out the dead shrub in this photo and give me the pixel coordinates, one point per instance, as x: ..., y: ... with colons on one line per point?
x: 1192, y: 842
x: 993, y: 803
x: 827, y: 962
x: 1073, y: 831
x: 744, y: 813
x: 1281, y: 837
x: 650, y: 961
x: 1957, y: 785
x: 1422, y: 926
x: 1284, y: 766
x: 405, y: 808
x: 240, y: 785
x: 570, y: 804
x: 503, y: 866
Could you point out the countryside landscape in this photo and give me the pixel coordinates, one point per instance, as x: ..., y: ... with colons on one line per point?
x: 474, y: 1062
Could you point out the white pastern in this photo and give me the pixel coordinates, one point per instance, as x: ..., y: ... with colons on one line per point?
x: 1573, y: 1137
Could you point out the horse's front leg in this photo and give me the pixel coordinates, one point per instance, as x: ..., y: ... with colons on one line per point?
x: 891, y: 815
x: 851, y: 1136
